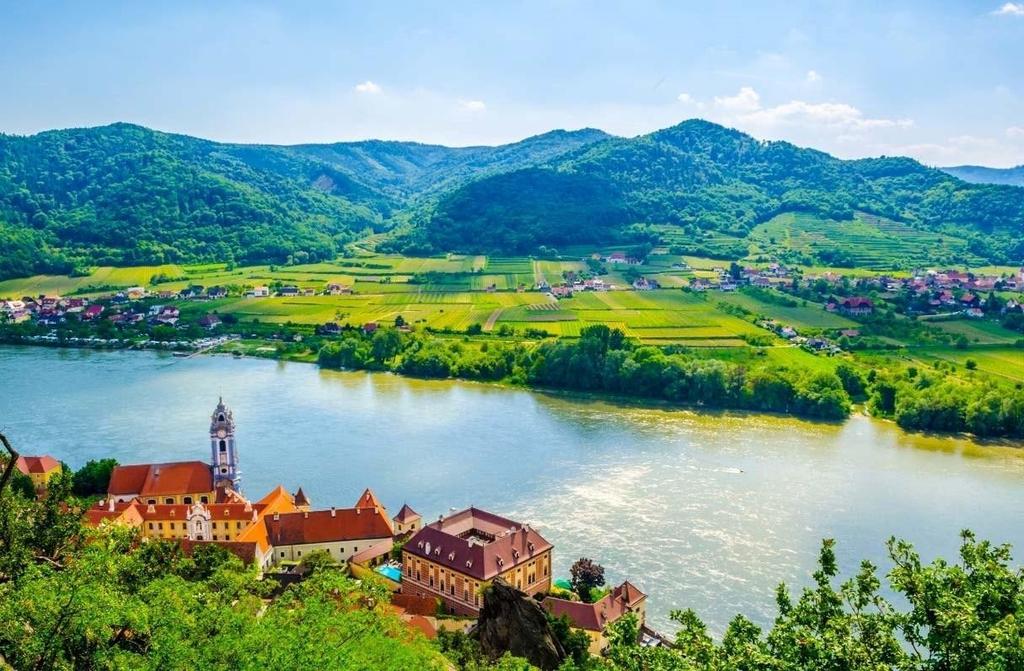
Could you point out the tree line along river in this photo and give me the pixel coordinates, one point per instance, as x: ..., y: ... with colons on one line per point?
x: 700, y: 509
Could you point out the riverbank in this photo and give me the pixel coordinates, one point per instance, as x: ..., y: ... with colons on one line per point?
x: 271, y: 350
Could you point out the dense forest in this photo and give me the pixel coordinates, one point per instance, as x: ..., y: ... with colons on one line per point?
x: 127, y: 195
x: 704, y: 177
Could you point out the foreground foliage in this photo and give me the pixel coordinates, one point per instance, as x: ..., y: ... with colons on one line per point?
x: 73, y: 598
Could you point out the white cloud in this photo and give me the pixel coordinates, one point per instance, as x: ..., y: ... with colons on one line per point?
x: 685, y: 98
x: 1011, y: 9
x: 745, y: 110
x: 1015, y: 132
x: 473, y: 105
x: 368, y: 88
x: 813, y: 77
x: 745, y: 101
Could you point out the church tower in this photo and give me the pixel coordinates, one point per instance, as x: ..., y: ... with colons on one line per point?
x: 223, y: 448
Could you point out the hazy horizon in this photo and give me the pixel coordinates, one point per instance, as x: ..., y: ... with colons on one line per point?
x: 939, y: 82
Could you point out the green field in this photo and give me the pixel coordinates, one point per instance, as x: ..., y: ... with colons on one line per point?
x: 867, y: 241
x: 1007, y: 362
x: 811, y: 315
x: 981, y: 332
x: 455, y: 292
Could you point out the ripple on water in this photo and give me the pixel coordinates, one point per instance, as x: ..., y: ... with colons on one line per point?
x: 702, y: 510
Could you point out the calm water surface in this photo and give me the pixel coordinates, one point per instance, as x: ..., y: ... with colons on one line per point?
x: 709, y: 511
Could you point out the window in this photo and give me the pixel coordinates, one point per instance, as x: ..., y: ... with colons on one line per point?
x: 187, y: 499
x: 172, y: 526
x: 150, y: 526
x: 299, y: 553
x: 431, y: 581
x: 169, y: 501
x: 214, y: 525
x: 223, y: 446
x: 151, y: 502
x: 465, y: 594
x: 215, y: 537
x: 204, y: 499
x: 452, y: 587
x: 282, y: 554
x: 223, y: 470
x: 160, y: 526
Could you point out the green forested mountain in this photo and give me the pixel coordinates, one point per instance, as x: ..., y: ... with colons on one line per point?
x: 701, y: 177
x: 124, y: 194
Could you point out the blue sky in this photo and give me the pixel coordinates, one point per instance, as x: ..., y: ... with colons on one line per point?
x: 940, y: 81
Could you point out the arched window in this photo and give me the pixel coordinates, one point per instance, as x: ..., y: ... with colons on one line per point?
x: 223, y: 446
x: 220, y: 418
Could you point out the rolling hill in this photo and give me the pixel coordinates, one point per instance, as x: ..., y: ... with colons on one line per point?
x: 123, y: 194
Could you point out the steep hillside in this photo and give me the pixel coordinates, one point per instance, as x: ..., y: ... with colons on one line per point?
x: 977, y: 174
x: 702, y: 177
x: 124, y: 194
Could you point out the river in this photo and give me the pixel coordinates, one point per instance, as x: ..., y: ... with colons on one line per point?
x: 701, y: 510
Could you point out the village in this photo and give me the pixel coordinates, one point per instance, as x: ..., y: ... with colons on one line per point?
x: 437, y: 571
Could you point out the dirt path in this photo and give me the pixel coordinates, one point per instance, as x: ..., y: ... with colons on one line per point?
x: 489, y: 324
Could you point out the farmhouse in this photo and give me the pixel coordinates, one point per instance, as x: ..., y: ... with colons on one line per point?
x: 856, y: 305
x: 457, y: 556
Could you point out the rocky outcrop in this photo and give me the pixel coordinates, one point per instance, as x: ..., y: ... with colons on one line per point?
x: 512, y: 622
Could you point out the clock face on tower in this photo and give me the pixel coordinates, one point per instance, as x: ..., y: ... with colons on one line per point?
x: 221, y: 433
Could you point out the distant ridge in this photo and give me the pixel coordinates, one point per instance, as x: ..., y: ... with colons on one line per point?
x: 977, y: 174
x: 126, y: 195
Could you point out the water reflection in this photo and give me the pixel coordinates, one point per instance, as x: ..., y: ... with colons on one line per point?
x: 702, y: 510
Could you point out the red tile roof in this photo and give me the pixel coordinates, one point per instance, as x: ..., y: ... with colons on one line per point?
x: 596, y: 616
x: 368, y: 500
x: 327, y: 526
x: 477, y: 543
x: 406, y: 514
x: 43, y: 464
x: 169, y: 479
x: 414, y: 604
x: 423, y: 625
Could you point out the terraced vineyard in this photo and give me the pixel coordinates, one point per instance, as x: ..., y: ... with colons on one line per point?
x: 867, y: 241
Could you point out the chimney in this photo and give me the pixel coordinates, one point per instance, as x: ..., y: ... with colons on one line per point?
x: 305, y: 515
x: 110, y: 504
x: 357, y: 510
x: 332, y: 511
x: 277, y: 517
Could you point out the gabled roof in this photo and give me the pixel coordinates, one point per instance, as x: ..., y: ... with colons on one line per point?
x: 301, y: 499
x: 598, y: 615
x: 406, y: 514
x: 477, y: 543
x: 167, y: 479
x: 43, y: 464
x: 327, y: 526
x: 368, y: 500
